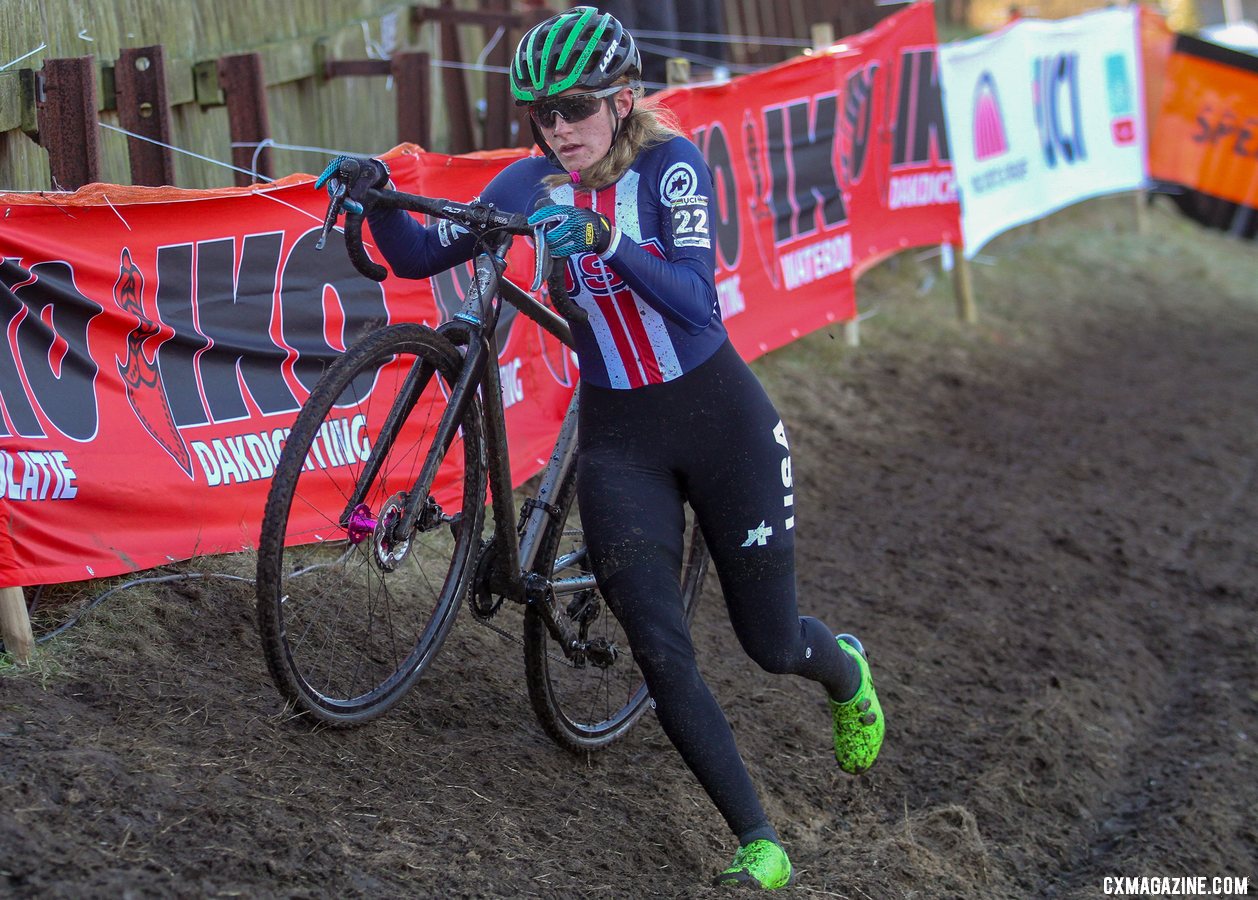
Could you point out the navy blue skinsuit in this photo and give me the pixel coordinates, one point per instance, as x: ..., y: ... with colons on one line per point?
x: 669, y: 413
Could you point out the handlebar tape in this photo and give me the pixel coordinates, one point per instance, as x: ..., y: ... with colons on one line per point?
x: 357, y: 254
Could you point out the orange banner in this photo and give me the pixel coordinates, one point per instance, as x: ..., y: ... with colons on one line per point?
x: 1206, y: 134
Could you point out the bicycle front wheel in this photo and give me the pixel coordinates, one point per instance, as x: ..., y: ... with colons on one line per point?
x: 352, y: 608
x: 588, y: 702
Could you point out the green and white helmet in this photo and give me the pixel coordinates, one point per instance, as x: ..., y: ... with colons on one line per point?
x: 580, y: 48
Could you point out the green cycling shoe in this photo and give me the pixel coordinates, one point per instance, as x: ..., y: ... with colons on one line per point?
x: 761, y: 864
x: 858, y: 723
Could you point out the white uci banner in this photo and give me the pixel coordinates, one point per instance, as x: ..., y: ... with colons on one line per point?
x: 1042, y: 115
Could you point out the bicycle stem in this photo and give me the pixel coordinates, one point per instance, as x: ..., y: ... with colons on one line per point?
x: 486, y: 281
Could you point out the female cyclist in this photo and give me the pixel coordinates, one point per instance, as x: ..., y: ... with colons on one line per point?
x: 669, y: 412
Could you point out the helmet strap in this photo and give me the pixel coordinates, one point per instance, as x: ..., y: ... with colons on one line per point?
x: 541, y: 142
x: 617, y: 121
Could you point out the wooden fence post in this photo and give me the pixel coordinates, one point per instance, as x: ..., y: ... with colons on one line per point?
x: 501, y: 25
x: 499, y: 113
x: 15, y: 625
x: 462, y: 135
x: 822, y: 35
x: 678, y: 71
x: 963, y: 284
x: 1142, y: 212
x: 410, y: 81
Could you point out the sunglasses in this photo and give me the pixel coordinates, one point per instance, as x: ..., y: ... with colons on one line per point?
x: 573, y: 108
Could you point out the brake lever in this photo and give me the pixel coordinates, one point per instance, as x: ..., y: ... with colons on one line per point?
x: 541, y: 260
x: 336, y: 201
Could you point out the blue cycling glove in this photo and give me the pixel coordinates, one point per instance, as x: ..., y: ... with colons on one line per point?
x: 359, y: 174
x: 571, y: 230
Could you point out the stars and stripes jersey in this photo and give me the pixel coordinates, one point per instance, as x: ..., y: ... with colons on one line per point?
x: 650, y: 298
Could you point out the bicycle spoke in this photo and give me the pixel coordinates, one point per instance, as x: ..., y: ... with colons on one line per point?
x: 364, y: 608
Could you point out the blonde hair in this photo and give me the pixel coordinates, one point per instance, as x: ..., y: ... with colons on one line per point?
x: 649, y: 123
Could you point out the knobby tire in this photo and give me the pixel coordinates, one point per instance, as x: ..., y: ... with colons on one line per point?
x: 348, y: 626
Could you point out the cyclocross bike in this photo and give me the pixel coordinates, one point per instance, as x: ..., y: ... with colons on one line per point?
x: 372, y: 533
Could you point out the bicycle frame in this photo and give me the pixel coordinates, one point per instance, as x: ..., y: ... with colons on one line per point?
x: 519, y: 540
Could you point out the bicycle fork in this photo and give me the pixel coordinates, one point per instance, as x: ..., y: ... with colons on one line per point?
x: 417, y: 512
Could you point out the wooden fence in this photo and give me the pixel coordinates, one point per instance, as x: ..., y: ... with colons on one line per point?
x: 93, y: 93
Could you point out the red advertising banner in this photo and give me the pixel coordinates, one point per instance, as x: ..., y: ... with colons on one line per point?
x: 158, y: 343
x: 894, y: 144
x: 783, y: 228
x: 841, y: 159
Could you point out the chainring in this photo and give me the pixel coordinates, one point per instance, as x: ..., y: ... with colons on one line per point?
x: 482, y: 600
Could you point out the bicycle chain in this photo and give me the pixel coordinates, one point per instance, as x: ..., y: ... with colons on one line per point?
x: 511, y: 636
x: 516, y: 639
x: 502, y: 632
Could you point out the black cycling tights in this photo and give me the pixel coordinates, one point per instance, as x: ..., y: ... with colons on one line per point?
x: 711, y: 437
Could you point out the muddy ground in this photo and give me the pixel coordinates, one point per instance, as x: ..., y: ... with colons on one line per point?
x: 1043, y: 526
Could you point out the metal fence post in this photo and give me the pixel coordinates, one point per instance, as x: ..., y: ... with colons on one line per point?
x: 67, y: 121
x: 245, y: 90
x: 144, y: 109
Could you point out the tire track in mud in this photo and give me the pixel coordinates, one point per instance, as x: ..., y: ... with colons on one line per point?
x: 1052, y: 554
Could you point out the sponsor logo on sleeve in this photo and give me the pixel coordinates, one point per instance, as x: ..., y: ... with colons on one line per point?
x: 679, y: 181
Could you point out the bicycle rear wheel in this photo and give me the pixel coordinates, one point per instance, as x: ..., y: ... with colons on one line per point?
x: 350, y: 611
x: 586, y: 705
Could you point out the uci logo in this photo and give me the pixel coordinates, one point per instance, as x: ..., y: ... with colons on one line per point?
x: 1056, y: 95
x: 598, y: 278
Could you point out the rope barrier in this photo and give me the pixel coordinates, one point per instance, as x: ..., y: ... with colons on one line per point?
x: 490, y: 45
x: 258, y: 149
x: 158, y: 579
x: 100, y: 598
x: 673, y: 53
x: 443, y: 63
x: 297, y: 209
x: 118, y: 214
x: 295, y: 147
